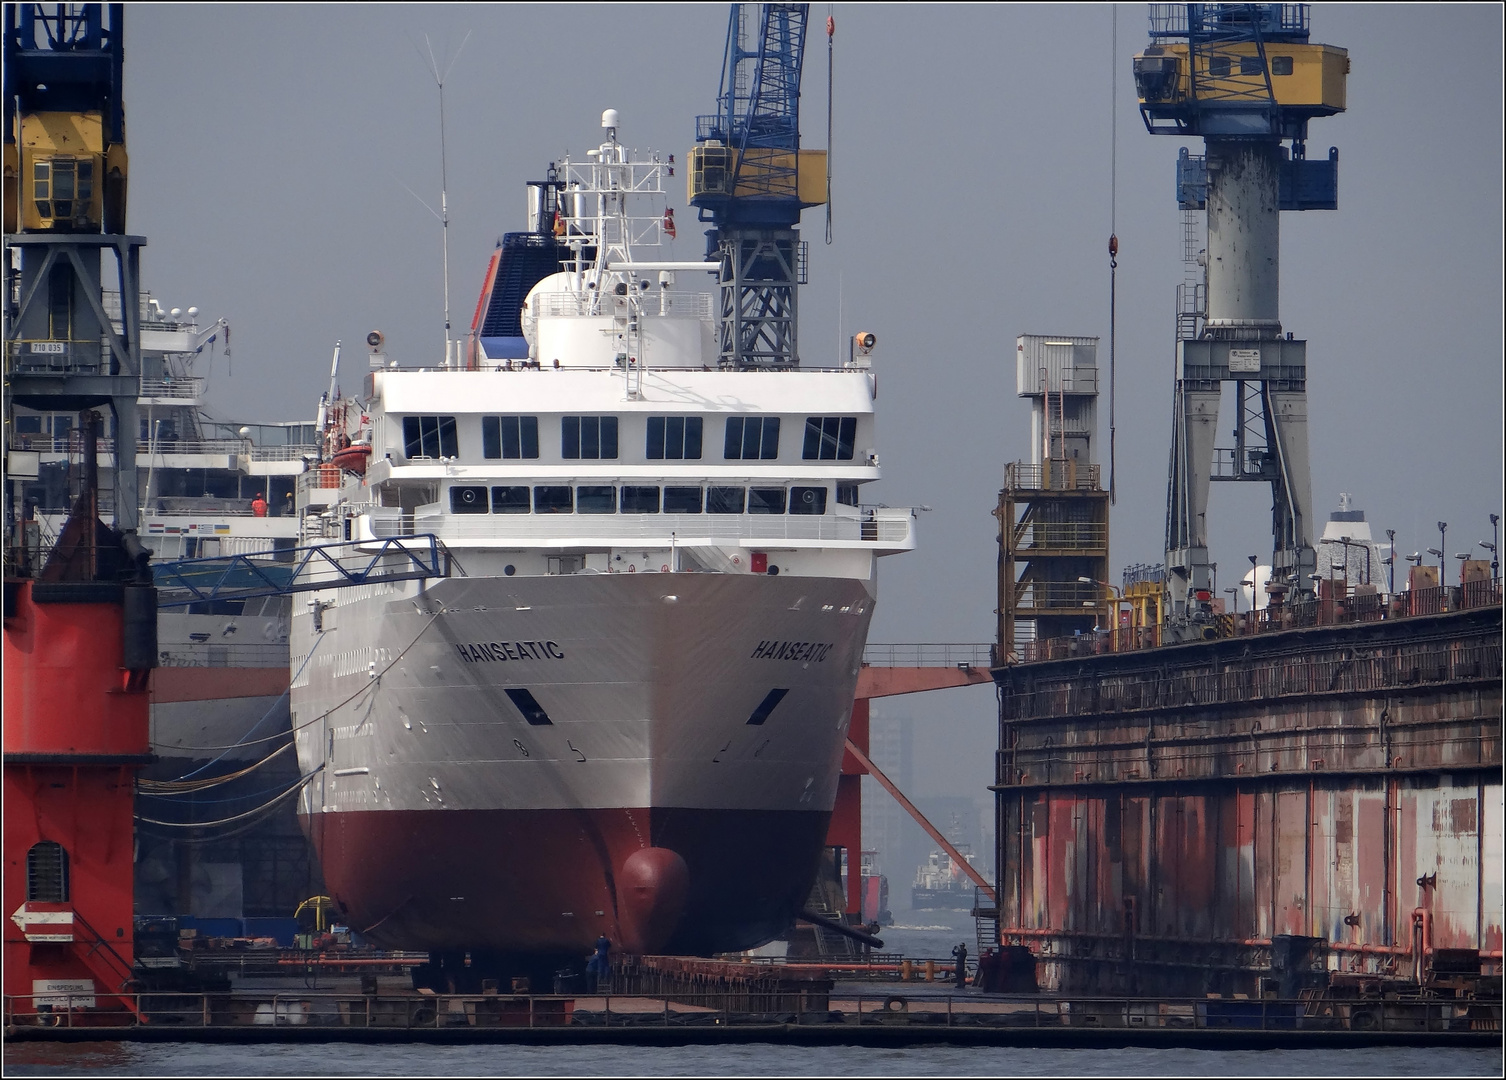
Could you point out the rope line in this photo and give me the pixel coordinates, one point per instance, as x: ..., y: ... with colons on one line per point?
x: 321, y: 716
x: 300, y: 782
x: 188, y: 787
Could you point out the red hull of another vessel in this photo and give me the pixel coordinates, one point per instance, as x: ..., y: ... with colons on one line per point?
x: 686, y: 881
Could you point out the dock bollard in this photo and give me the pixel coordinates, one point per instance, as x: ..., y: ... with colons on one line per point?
x: 906, y: 971
x: 930, y: 971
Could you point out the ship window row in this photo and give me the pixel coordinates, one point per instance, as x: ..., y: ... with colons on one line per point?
x: 595, y: 438
x: 641, y: 499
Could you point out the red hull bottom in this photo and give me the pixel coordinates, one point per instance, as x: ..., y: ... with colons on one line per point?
x: 683, y: 881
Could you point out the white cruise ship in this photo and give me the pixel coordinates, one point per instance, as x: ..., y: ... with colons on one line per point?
x: 623, y: 712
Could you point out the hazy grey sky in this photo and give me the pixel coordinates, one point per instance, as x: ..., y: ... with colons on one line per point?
x: 270, y: 149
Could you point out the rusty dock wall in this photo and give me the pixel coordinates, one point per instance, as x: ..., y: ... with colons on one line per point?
x: 1164, y: 814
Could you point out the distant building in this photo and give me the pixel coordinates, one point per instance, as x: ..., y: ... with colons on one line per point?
x: 891, y: 746
x: 901, y: 845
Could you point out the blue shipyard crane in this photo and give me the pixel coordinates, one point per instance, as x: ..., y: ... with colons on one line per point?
x: 750, y: 180
x: 64, y: 208
x: 1246, y: 79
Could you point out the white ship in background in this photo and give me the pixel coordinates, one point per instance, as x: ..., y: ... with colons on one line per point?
x: 624, y: 711
x: 219, y: 692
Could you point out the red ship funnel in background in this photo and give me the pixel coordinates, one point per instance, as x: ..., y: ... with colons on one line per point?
x: 652, y: 888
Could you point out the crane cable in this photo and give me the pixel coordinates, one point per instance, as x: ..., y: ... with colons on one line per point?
x: 831, y: 29
x: 1113, y: 231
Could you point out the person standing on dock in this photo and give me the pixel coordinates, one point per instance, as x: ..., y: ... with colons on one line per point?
x: 960, y: 952
x: 599, y: 965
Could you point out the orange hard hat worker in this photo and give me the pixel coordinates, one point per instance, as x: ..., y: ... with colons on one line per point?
x: 259, y: 506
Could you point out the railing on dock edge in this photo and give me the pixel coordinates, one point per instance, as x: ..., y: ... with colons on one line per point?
x: 187, y: 1011
x: 1354, y: 609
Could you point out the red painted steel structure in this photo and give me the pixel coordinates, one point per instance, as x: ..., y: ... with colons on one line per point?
x: 846, y: 828
x: 75, y: 732
x: 1164, y: 815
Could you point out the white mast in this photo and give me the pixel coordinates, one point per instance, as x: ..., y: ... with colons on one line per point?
x: 444, y: 185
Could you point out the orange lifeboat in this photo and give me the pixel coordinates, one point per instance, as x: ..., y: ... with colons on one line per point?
x: 353, y: 458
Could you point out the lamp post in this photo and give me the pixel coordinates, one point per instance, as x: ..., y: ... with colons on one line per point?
x: 1391, y: 561
x: 1348, y: 543
x: 1233, y: 590
x: 1442, y: 547
x: 1116, y: 594
x: 1495, y: 536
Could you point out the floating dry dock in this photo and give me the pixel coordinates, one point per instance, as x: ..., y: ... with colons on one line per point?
x: 673, y: 1000
x: 1302, y: 810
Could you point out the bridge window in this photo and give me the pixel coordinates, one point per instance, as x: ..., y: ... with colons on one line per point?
x: 752, y: 438
x: 808, y: 500
x: 430, y: 437
x: 509, y: 500
x: 588, y: 437
x: 640, y: 500
x: 468, y: 499
x: 552, y: 499
x: 1251, y: 65
x: 675, y: 438
x: 1219, y: 65
x: 847, y: 494
x: 829, y: 438
x: 725, y: 500
x: 682, y: 500
x: 47, y: 872
x: 1281, y: 65
x: 596, y: 499
x: 510, y: 436
x: 765, y: 500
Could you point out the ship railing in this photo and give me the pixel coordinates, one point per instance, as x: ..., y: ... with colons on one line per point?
x: 270, y: 654
x: 165, y: 446
x: 1051, y: 476
x: 928, y: 654
x: 504, y: 365
x: 1356, y: 608
x: 1036, y: 536
x: 89, y: 356
x: 181, y: 509
x: 187, y: 387
x: 685, y: 305
x: 885, y: 527
x: 910, y: 999
x: 283, y: 451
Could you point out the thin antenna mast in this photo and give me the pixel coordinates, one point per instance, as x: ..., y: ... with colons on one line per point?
x: 444, y: 181
x: 1113, y: 228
